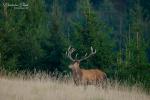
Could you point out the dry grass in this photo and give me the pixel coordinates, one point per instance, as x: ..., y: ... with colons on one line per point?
x: 45, y: 88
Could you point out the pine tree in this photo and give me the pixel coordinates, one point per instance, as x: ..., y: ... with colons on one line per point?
x: 21, y: 35
x: 90, y: 31
x: 55, y: 44
x: 31, y: 30
x: 8, y: 38
x: 137, y: 45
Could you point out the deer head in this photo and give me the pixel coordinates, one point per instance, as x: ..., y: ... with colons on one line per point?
x: 76, y: 61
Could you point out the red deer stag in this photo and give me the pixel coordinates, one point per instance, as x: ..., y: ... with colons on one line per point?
x: 83, y: 76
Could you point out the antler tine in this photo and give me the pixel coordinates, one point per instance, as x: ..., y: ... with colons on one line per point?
x: 91, y: 48
x: 72, y: 50
x: 69, y: 48
x: 76, y: 56
x: 93, y: 52
x: 85, y: 54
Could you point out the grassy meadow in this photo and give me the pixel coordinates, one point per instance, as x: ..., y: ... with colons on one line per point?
x: 44, y: 87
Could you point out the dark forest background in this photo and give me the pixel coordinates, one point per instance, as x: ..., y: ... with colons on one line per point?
x: 38, y: 37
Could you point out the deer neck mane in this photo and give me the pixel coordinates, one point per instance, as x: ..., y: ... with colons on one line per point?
x: 77, y: 73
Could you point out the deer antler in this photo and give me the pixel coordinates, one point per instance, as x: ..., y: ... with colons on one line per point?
x: 69, y: 52
x: 87, y: 56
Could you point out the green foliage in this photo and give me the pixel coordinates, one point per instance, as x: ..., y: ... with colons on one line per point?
x: 37, y: 37
x: 55, y: 43
x: 137, y: 45
x: 139, y: 75
x: 20, y: 44
x: 92, y: 31
x: 135, y: 68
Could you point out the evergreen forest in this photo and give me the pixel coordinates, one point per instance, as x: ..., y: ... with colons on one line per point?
x: 37, y: 37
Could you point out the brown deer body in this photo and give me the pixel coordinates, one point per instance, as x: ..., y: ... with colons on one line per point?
x: 84, y: 76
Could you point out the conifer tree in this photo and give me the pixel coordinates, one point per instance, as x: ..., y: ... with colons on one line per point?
x: 21, y: 34
x: 137, y: 45
x: 8, y: 37
x: 55, y: 44
x: 89, y: 31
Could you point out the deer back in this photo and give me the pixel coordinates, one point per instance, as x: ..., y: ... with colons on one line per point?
x: 93, y: 75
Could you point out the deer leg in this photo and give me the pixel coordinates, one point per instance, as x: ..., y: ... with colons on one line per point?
x: 85, y: 83
x: 105, y: 83
x: 97, y: 83
x: 76, y: 82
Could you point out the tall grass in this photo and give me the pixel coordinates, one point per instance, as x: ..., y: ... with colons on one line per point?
x: 41, y: 86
